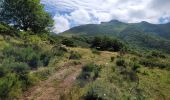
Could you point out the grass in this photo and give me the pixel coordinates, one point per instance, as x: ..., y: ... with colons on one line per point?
x: 113, y: 80
x: 154, y: 83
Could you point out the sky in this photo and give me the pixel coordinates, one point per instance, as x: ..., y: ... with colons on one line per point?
x: 71, y: 13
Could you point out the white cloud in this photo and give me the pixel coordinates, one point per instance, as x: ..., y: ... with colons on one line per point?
x: 61, y: 24
x: 80, y: 17
x: 78, y: 12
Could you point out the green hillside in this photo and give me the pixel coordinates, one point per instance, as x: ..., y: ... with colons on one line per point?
x: 116, y: 27
x: 144, y: 34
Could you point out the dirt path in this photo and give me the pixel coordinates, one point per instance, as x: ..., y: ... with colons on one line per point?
x: 55, y: 86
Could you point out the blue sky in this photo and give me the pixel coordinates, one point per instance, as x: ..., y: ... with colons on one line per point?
x: 70, y: 13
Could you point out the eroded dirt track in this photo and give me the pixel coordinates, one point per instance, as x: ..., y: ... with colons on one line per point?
x: 55, y: 86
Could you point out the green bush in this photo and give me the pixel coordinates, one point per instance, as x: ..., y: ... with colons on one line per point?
x: 58, y: 50
x: 121, y: 62
x: 156, y: 54
x: 102, y: 91
x: 135, y: 67
x: 10, y: 87
x: 45, y: 58
x: 112, y: 59
x: 33, y: 58
x: 3, y: 71
x: 153, y: 63
x: 68, y: 42
x: 75, y: 55
x: 90, y: 72
x: 106, y: 43
x: 5, y: 30
x: 18, y: 68
x: 95, y: 51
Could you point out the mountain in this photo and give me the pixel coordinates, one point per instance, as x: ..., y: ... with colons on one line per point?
x: 116, y: 27
x: 141, y: 34
x: 106, y: 28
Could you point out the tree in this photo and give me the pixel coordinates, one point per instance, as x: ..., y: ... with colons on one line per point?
x: 106, y: 43
x: 25, y: 15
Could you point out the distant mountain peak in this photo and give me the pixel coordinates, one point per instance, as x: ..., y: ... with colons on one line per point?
x: 144, y: 22
x: 115, y: 21
x: 116, y: 27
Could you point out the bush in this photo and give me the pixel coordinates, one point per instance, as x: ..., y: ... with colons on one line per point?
x: 45, y: 58
x: 2, y: 71
x: 18, y: 68
x: 135, y: 67
x: 58, y: 50
x: 90, y: 72
x: 121, y: 62
x: 95, y: 51
x: 102, y: 91
x: 68, y: 42
x: 28, y: 55
x: 112, y: 59
x: 106, y: 43
x: 157, y: 54
x: 33, y: 60
x: 10, y: 87
x: 92, y: 96
x: 151, y: 63
x: 75, y: 55
x: 5, y: 29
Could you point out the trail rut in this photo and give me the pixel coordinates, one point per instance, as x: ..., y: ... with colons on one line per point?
x: 55, y: 86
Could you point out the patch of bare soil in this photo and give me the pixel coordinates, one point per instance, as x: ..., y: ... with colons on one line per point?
x: 55, y: 86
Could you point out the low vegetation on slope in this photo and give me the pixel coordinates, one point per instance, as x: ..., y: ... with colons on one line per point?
x: 22, y: 53
x: 113, y: 76
x: 112, y: 70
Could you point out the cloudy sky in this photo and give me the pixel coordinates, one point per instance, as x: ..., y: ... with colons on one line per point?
x: 70, y: 13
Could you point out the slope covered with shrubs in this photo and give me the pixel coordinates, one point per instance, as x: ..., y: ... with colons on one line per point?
x: 22, y: 53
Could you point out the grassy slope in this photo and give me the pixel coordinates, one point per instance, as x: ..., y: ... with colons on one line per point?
x: 153, y: 82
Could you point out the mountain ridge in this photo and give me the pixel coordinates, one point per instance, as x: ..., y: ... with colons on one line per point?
x: 115, y: 27
x: 143, y: 34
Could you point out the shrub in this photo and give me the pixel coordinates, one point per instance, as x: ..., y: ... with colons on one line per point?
x: 45, y: 59
x: 10, y: 87
x: 28, y: 55
x: 135, y: 67
x: 157, y: 54
x: 68, y: 42
x: 58, y: 50
x: 106, y: 43
x: 92, y: 96
x: 152, y: 63
x: 102, y: 91
x: 33, y: 60
x: 75, y: 55
x: 95, y: 51
x: 18, y: 68
x: 121, y: 62
x: 112, y: 59
x: 90, y: 72
x: 2, y: 71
